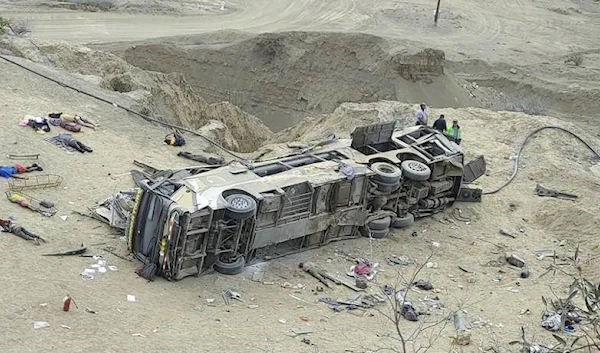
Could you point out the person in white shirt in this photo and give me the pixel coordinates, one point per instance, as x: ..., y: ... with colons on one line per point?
x: 422, y: 115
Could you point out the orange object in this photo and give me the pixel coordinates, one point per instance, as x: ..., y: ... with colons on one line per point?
x: 67, y: 303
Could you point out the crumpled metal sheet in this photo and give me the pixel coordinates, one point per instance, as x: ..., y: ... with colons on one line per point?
x: 116, y: 209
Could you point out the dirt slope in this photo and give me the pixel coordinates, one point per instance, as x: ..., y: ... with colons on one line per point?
x: 533, y: 37
x: 284, y: 77
x: 161, y: 95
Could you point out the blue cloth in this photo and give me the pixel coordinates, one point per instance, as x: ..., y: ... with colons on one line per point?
x: 7, y: 171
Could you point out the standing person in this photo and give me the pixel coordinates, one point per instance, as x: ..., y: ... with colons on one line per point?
x: 422, y: 115
x: 440, y: 124
x: 455, y: 132
x: 9, y: 227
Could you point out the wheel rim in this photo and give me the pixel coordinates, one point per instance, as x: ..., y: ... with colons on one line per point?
x: 239, y: 203
x: 416, y: 166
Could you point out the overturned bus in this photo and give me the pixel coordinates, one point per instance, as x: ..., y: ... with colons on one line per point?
x: 226, y: 217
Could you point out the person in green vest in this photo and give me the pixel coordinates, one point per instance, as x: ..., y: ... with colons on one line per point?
x: 455, y: 132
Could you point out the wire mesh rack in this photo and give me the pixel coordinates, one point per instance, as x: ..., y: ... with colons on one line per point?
x: 35, y: 182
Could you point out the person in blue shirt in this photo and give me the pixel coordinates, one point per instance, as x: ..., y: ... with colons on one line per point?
x: 8, y: 171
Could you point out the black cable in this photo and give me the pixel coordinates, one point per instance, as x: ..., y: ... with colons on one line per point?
x: 522, y: 146
x: 146, y: 117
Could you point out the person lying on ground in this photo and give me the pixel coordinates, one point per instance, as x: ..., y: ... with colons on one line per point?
x: 67, y: 140
x: 67, y: 125
x: 74, y: 119
x: 9, y: 227
x: 21, y: 201
x: 8, y: 171
x: 40, y: 125
x: 175, y: 139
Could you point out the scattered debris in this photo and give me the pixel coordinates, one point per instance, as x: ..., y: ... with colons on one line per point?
x: 462, y: 325
x: 409, y: 312
x: 252, y: 306
x: 425, y: 285
x: 515, y: 260
x: 399, y: 260
x: 131, y: 298
x: 464, y: 269
x: 387, y: 290
x: 361, y: 283
x: 258, y: 276
x: 77, y: 251
x: 524, y: 274
x: 542, y: 191
x: 552, y: 321
x: 513, y: 71
x: 115, y: 210
x: 317, y: 272
x: 507, y: 233
x: 111, y: 251
x: 24, y: 156
x: 40, y: 324
x: 210, y: 160
x: 363, y: 269
x: 91, y: 311
x: 65, y: 327
x: 67, y: 303
x: 302, y: 330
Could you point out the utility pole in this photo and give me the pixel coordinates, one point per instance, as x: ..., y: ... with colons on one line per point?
x: 437, y: 12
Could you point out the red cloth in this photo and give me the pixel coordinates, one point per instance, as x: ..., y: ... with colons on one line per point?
x: 362, y: 270
x: 20, y: 169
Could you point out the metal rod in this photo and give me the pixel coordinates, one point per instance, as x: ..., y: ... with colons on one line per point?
x: 437, y: 13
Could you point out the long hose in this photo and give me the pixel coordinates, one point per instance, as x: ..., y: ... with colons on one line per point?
x: 146, y: 117
x: 522, y: 146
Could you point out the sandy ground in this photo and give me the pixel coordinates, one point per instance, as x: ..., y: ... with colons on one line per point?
x: 482, y: 41
x: 176, y: 316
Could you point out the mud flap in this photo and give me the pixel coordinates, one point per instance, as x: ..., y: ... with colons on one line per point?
x: 474, y: 169
x: 469, y: 195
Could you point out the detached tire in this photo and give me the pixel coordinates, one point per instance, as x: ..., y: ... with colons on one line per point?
x: 227, y: 267
x: 240, y: 206
x: 386, y: 173
x: 380, y: 224
x: 403, y: 222
x: 415, y: 170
